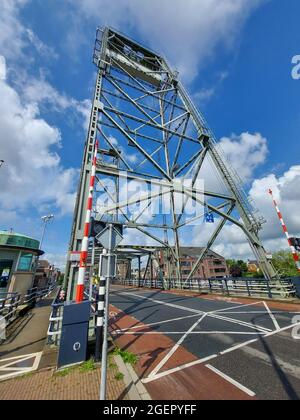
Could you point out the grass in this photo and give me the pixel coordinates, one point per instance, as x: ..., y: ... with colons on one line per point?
x: 85, y: 367
x: 127, y: 357
x: 112, y: 366
x: 88, y: 366
x: 119, y: 376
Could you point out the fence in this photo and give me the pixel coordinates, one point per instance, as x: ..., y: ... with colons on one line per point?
x: 55, y: 321
x: 35, y: 294
x: 9, y: 303
x: 231, y: 287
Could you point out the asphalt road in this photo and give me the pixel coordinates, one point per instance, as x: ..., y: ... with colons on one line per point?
x: 269, y: 366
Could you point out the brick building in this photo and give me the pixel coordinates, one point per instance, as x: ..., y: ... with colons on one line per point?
x: 45, y: 274
x: 213, y: 265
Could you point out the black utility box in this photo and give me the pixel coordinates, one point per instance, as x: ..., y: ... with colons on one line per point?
x: 74, y: 336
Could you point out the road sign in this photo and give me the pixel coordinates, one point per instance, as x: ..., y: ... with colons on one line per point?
x: 108, y: 266
x: 109, y: 241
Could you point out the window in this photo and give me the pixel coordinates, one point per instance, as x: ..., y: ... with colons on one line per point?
x: 185, y: 264
x: 186, y: 272
x: 25, y: 262
x: 220, y: 270
x: 5, y: 270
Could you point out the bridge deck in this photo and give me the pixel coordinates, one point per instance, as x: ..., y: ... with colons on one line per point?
x: 197, y: 348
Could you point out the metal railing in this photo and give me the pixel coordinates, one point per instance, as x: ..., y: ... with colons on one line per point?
x: 55, y: 320
x: 36, y: 293
x: 230, y: 286
x: 9, y: 303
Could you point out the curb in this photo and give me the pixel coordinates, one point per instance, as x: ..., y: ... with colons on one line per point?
x: 136, y: 390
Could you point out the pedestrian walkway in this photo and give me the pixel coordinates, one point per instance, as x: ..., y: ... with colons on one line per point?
x: 71, y: 384
x: 26, y: 337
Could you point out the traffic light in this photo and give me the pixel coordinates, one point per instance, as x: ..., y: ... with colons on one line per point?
x: 295, y: 242
x: 96, y: 228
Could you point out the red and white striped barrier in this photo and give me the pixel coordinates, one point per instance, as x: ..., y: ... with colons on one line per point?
x: 85, y: 240
x: 294, y: 252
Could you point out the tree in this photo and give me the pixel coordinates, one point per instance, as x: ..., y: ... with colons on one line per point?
x: 284, y: 263
x: 237, y: 268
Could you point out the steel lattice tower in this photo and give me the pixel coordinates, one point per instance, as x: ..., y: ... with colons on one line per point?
x: 149, y: 130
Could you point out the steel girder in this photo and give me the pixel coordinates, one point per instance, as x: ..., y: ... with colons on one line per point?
x: 151, y: 132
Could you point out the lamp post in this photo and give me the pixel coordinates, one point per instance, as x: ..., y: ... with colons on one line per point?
x: 45, y: 219
x: 1, y: 162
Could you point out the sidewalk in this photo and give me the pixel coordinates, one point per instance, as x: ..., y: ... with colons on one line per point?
x: 75, y: 385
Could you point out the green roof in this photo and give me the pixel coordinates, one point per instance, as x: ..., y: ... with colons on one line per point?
x: 18, y: 240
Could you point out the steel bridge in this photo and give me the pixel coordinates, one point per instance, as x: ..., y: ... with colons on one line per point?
x: 153, y: 138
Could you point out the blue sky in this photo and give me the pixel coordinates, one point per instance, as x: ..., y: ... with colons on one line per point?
x: 234, y: 57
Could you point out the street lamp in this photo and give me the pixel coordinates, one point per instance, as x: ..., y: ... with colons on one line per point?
x: 1, y: 162
x: 45, y: 219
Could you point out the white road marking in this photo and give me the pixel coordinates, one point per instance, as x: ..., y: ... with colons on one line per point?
x: 178, y: 369
x: 231, y: 380
x: 277, y: 326
x: 145, y: 326
x: 154, y: 375
x: 210, y: 314
x: 214, y: 356
x: 238, y: 346
x: 241, y: 323
x: 238, y: 307
x: 172, y: 305
x: 262, y: 312
x: 182, y: 332
x: 19, y: 370
x: 175, y: 348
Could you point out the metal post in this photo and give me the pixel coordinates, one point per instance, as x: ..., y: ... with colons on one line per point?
x: 152, y: 283
x: 106, y: 320
x: 45, y: 220
x: 140, y: 277
x: 100, y: 316
x: 248, y: 288
x: 92, y: 267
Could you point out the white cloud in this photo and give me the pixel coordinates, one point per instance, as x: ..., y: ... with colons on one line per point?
x: 232, y: 241
x: 14, y: 36
x: 41, y: 92
x: 287, y: 193
x: 2, y: 68
x: 245, y: 152
x: 32, y: 174
x: 206, y: 93
x: 40, y: 47
x: 11, y: 30
x: 58, y: 260
x: 188, y: 32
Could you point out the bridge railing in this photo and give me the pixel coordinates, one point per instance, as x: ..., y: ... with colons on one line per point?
x: 36, y: 293
x: 55, y: 320
x: 226, y: 286
x: 9, y: 303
